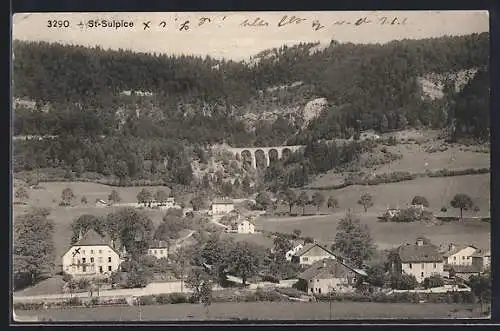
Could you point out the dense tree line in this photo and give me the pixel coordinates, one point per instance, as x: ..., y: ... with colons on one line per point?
x: 377, y: 82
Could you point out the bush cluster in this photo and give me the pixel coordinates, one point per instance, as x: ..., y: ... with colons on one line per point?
x: 405, y: 297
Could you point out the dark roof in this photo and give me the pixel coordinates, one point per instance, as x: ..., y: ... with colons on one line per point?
x: 309, y: 246
x: 222, y: 202
x: 463, y: 268
x: 158, y: 244
x: 328, y: 268
x: 481, y: 253
x: 414, y: 253
x: 92, y: 238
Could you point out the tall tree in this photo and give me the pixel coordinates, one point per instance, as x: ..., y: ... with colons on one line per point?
x: 33, y: 245
x: 366, y: 201
x: 114, y: 197
x: 332, y: 202
x: 463, y: 202
x: 353, y: 239
x: 161, y: 196
x: 134, y: 229
x: 318, y: 200
x: 67, y: 196
x: 289, y: 197
x: 262, y: 201
x: 144, y: 196
x: 420, y: 200
x: 245, y: 259
x: 303, y: 201
x: 84, y: 223
x: 22, y: 194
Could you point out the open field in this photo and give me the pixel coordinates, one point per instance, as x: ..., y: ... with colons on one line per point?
x: 261, y: 311
x: 416, y: 159
x: 256, y: 238
x: 385, y: 235
x: 50, y: 195
x: 438, y: 191
x: 63, y: 217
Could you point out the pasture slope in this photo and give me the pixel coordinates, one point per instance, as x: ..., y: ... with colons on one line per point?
x: 438, y: 191
x: 50, y: 196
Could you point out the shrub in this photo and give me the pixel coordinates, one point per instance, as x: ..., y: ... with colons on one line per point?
x: 300, y: 285
x: 147, y: 300
x: 74, y: 301
x: 291, y: 292
x: 267, y: 295
x: 174, y: 298
x: 269, y: 278
x: 444, y: 209
x: 403, y: 282
x: 433, y: 281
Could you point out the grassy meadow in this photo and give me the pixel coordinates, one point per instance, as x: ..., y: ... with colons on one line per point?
x: 50, y: 196
x: 438, y: 191
x: 262, y: 311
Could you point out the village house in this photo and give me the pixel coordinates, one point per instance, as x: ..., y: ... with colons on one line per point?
x: 312, y: 253
x: 158, y: 249
x: 296, y: 247
x: 92, y: 255
x: 482, y: 259
x: 246, y: 226
x: 222, y: 206
x: 459, y: 255
x: 462, y: 271
x: 421, y: 260
x: 330, y: 275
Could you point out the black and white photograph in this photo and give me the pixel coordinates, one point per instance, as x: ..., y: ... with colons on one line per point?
x: 250, y: 166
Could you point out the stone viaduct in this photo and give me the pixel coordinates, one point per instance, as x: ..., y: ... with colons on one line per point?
x: 278, y: 151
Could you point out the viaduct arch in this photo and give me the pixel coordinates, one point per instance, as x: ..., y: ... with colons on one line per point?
x: 277, y: 150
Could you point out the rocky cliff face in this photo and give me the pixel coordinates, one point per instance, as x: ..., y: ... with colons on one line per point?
x: 312, y: 109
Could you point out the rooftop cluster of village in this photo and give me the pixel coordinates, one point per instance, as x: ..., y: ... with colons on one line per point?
x: 318, y: 268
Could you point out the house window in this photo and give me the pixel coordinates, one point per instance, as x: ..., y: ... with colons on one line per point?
x: 109, y: 258
x: 83, y: 260
x: 161, y: 252
x: 310, y: 281
x: 454, y: 258
x: 91, y: 260
x: 434, y: 265
x: 100, y: 269
x: 312, y: 290
x: 463, y: 257
x: 109, y: 268
x: 319, y: 290
x: 100, y: 259
x: 410, y: 265
x: 83, y: 252
x: 100, y: 251
x: 304, y: 259
x: 422, y: 274
x: 91, y: 251
x: 84, y: 269
x: 423, y: 266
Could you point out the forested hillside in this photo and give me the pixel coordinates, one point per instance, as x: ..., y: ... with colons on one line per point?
x: 84, y: 93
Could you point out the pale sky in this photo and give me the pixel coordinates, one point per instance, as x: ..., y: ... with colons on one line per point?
x: 225, y: 36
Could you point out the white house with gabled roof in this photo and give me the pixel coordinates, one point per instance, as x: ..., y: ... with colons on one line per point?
x: 92, y: 255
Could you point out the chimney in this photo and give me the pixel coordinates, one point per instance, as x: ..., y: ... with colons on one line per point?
x: 451, y: 246
x: 80, y: 235
x: 113, y: 244
x: 324, y: 263
x: 420, y: 242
